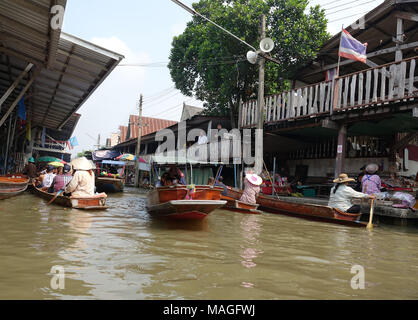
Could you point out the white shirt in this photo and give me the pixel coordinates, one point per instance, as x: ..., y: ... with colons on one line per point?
x: 202, y: 140
x: 82, y: 184
x: 47, y: 180
x: 341, y: 199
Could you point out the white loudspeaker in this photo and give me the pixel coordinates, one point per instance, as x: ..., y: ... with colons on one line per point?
x: 252, y: 57
x: 266, y: 45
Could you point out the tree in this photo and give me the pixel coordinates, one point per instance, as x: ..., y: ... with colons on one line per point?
x: 210, y: 64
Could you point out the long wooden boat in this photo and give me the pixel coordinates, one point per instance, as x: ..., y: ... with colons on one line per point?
x: 239, y: 206
x: 303, y: 210
x: 109, y: 184
x: 96, y: 202
x: 12, y: 185
x: 179, y: 202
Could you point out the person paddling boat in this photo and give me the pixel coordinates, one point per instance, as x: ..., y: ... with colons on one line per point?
x: 341, y: 195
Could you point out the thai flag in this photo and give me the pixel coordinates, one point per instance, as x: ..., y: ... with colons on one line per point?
x: 351, y: 48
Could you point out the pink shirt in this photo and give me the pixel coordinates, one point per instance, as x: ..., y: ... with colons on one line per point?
x: 250, y: 192
x: 371, y: 184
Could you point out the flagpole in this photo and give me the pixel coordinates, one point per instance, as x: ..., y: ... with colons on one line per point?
x: 339, y: 57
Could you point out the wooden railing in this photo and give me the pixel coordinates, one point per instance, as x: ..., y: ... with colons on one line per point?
x: 387, y: 83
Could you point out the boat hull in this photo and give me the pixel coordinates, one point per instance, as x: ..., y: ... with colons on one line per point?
x: 96, y: 202
x: 179, y: 203
x: 303, y: 210
x: 185, y: 209
x: 239, y: 206
x: 109, y: 185
x: 11, y: 186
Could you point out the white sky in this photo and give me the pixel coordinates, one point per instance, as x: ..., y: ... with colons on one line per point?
x: 142, y: 31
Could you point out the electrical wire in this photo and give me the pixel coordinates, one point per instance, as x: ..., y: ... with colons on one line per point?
x: 361, y: 4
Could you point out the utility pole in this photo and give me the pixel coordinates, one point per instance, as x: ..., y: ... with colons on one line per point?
x: 258, y: 166
x: 138, y: 145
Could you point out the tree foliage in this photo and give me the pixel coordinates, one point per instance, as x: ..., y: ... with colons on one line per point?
x: 211, y: 65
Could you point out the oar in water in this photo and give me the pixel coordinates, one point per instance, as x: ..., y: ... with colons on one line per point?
x: 56, y: 195
x: 370, y: 224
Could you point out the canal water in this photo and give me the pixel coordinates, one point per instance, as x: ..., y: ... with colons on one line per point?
x: 122, y: 253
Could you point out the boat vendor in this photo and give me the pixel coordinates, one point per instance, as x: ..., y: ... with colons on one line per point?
x: 165, y: 180
x: 176, y: 175
x: 341, y: 195
x: 371, y: 183
x: 252, y: 184
x: 61, y: 179
x: 30, y: 169
x: 220, y: 183
x: 82, y: 183
x: 48, y: 177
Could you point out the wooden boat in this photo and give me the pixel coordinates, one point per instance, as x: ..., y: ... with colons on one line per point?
x: 303, y: 210
x: 12, y: 185
x: 239, y: 206
x: 96, y: 202
x: 179, y: 202
x: 109, y: 184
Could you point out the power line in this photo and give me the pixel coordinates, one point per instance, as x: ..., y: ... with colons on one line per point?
x: 361, y: 4
x: 348, y: 16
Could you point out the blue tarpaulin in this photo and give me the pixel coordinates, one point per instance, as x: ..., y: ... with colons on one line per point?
x: 104, y: 155
x: 119, y: 163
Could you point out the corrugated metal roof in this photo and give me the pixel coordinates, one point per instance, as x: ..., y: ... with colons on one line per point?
x: 149, y: 125
x: 70, y: 69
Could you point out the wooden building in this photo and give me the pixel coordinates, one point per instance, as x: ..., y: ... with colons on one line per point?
x: 368, y: 114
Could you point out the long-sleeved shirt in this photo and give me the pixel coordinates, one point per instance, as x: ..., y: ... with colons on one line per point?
x: 81, y: 185
x: 341, y: 199
x: 371, y: 184
x: 250, y: 192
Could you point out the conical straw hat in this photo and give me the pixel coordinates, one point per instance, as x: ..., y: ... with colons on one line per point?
x: 81, y: 164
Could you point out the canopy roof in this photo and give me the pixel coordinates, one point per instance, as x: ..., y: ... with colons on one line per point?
x: 67, y: 69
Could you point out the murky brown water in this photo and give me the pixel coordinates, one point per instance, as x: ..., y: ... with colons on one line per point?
x: 122, y: 253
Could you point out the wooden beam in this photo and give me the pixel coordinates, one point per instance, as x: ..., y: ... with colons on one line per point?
x: 399, y: 39
x: 406, y: 15
x: 329, y: 124
x: 15, y: 83
x: 11, y: 108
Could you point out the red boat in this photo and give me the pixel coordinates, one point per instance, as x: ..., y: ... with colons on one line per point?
x: 303, y: 210
x: 12, y: 185
x: 239, y: 206
x: 183, y: 202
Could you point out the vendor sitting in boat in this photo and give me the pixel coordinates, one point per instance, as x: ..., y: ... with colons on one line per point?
x: 252, y: 184
x: 82, y: 183
x: 176, y: 175
x: 341, y: 195
x: 61, y: 179
x: 371, y: 183
x: 165, y: 180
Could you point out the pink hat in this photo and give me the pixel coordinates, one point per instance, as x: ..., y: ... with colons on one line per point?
x: 254, y: 179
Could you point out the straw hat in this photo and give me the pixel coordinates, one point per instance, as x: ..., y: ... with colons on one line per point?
x: 82, y: 164
x: 343, y: 178
x: 254, y: 179
x: 372, y: 168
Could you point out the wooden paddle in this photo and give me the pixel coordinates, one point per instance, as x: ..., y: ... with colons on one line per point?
x: 56, y: 195
x: 370, y: 224
x: 271, y: 180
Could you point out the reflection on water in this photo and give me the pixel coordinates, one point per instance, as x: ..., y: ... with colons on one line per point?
x: 122, y: 253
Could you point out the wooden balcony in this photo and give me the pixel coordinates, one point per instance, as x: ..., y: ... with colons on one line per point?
x: 387, y: 84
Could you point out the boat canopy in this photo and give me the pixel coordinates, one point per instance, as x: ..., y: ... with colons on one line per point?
x: 117, y: 163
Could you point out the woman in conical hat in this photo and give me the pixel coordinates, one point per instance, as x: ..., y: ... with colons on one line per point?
x: 252, y: 184
x: 82, y: 183
x: 341, y: 195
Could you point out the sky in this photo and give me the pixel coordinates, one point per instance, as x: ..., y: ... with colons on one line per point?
x: 142, y: 31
